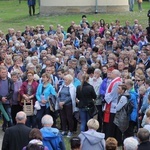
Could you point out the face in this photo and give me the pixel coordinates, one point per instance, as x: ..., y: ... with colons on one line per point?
x: 30, y: 77
x: 3, y: 73
x: 45, y: 79
x: 14, y: 78
x: 60, y: 74
x: 104, y: 69
x: 120, y: 90
x: 96, y: 75
x: 48, y: 70
x: 67, y: 81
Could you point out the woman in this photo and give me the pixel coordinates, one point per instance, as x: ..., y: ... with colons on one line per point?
x: 66, y: 102
x: 92, y: 139
x: 8, y: 62
x: 28, y: 91
x: 36, y: 139
x: 85, y: 95
x: 121, y: 119
x: 44, y: 90
x: 111, y: 144
x: 15, y: 108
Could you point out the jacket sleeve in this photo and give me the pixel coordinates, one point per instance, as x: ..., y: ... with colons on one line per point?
x: 5, y: 144
x: 11, y: 90
x: 38, y: 93
x: 93, y: 94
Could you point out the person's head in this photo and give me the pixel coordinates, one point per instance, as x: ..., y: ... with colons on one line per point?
x: 30, y: 75
x: 148, y: 113
x: 93, y: 124
x: 14, y: 76
x: 47, y: 121
x: 3, y: 72
x: 143, y: 135
x: 97, y: 73
x: 21, y: 117
x: 122, y: 88
x: 90, y: 71
x: 35, y: 134
x: 129, y: 83
x: 68, y: 79
x: 147, y: 83
x: 45, y: 77
x: 111, y: 143
x: 75, y: 143
x: 130, y: 144
x: 115, y: 73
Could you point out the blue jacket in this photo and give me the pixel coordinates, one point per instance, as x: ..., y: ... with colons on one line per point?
x: 133, y: 98
x: 47, y: 92
x: 76, y: 82
x: 34, y: 49
x: 31, y: 2
x: 52, y: 138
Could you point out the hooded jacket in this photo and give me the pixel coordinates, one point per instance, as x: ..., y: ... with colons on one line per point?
x: 52, y: 138
x: 92, y: 139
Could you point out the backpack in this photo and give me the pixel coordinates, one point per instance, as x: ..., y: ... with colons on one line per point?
x: 129, y: 106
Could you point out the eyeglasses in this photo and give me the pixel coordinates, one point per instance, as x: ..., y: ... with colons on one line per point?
x: 138, y: 80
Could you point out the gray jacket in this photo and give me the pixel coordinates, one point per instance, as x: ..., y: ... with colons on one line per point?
x: 92, y: 139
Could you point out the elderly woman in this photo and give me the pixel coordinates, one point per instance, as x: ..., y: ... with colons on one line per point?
x: 66, y: 102
x: 28, y: 91
x: 92, y: 139
x: 44, y: 90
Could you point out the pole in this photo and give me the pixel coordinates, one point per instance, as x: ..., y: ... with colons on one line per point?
x: 96, y: 3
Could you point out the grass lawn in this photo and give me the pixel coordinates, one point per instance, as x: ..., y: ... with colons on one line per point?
x: 13, y: 14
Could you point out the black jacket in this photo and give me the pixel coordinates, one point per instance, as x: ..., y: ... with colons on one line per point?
x: 16, y: 137
x: 10, y: 89
x: 144, y: 146
x: 86, y: 95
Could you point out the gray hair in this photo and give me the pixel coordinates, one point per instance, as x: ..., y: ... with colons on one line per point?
x: 130, y: 144
x: 21, y: 116
x: 116, y: 72
x: 47, y: 120
x: 97, y: 71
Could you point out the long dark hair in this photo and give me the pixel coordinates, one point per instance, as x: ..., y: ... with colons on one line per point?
x: 85, y: 78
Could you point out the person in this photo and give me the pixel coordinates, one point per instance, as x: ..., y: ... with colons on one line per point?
x: 75, y: 143
x: 44, y: 90
x: 131, y: 5
x: 15, y: 98
x: 27, y: 92
x: 67, y: 104
x: 130, y: 143
x: 140, y: 5
x: 133, y: 116
x: 16, y: 137
x: 31, y: 4
x: 6, y: 93
x: 96, y: 83
x: 51, y: 136
x: 35, y: 139
x: 143, y: 136
x: 111, y: 98
x: 85, y: 95
x: 111, y: 143
x: 92, y: 139
x: 121, y: 120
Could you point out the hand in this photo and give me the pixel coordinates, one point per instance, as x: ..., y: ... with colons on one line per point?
x: 77, y: 101
x: 61, y: 104
x: 43, y: 101
x: 26, y: 97
x: 4, y: 99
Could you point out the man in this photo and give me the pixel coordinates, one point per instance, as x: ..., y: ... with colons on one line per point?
x: 16, y: 137
x: 51, y: 136
x: 111, y: 98
x: 133, y: 116
x: 143, y: 136
x: 6, y: 92
x: 130, y: 144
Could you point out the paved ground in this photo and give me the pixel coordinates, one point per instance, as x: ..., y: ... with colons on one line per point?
x: 1, y: 136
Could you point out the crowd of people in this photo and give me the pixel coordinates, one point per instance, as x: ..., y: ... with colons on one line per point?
x: 66, y: 74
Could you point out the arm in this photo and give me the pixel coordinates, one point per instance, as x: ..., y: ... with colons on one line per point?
x: 5, y: 144
x: 11, y: 89
x: 109, y: 97
x: 122, y: 102
x: 38, y: 93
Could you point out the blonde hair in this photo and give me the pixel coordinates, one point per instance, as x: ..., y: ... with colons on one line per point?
x: 111, y: 143
x: 93, y: 124
x: 69, y: 76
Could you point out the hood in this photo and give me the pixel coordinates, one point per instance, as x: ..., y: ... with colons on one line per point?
x: 93, y: 137
x: 49, y: 133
